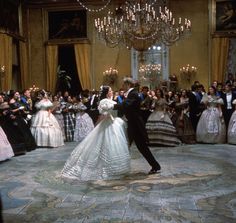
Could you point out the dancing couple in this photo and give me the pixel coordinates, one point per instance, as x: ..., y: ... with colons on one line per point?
x: 104, y: 153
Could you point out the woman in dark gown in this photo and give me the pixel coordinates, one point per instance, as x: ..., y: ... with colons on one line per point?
x: 182, y: 121
x: 18, y: 111
x: 13, y: 134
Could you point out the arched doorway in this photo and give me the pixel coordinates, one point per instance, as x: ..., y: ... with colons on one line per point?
x: 66, y: 61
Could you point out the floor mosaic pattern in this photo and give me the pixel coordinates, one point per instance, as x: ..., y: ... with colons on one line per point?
x: 197, y: 184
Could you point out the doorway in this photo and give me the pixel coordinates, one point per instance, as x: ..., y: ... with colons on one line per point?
x: 69, y: 80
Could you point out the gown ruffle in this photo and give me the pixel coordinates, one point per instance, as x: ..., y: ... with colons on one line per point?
x: 160, y: 128
x: 211, y: 127
x: 83, y: 126
x: 45, y: 127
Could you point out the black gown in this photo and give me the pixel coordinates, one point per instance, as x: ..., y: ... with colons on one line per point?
x: 23, y: 128
x: 13, y: 134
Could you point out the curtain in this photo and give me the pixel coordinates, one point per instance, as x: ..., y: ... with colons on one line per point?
x: 220, y: 49
x: 82, y: 57
x: 51, y: 65
x: 6, y: 61
x: 231, y: 63
x: 24, y: 66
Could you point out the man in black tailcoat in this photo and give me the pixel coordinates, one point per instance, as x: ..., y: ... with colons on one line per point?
x: 228, y: 108
x: 136, y: 127
x: 194, y: 106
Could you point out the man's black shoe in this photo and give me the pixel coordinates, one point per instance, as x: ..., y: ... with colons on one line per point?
x: 154, y: 171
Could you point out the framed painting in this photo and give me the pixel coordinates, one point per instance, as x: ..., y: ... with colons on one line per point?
x: 66, y: 25
x: 224, y: 18
x: 10, y: 12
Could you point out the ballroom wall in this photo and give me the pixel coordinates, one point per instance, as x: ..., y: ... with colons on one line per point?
x: 193, y: 50
x: 37, y: 70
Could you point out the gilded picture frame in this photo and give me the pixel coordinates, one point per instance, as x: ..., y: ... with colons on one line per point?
x: 65, y: 25
x: 224, y: 17
x: 11, y: 13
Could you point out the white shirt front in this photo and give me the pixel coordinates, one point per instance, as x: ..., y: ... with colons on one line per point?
x: 229, y: 99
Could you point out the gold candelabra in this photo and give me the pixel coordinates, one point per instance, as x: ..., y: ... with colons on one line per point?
x: 110, y: 75
x: 187, y: 72
x: 2, y: 71
x: 2, y: 74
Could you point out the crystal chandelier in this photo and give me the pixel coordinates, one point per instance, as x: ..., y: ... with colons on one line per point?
x: 150, y: 73
x: 141, y: 24
x: 150, y: 68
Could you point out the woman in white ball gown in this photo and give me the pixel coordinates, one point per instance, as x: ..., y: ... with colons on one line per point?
x: 104, y: 153
x: 211, y: 126
x: 45, y: 127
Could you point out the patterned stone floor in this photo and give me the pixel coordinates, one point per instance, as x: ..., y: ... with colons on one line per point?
x: 197, y: 184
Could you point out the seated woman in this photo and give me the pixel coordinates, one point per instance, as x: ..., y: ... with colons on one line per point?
x: 45, y: 127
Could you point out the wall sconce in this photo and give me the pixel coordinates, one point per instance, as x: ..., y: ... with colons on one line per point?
x: 110, y: 76
x: 2, y: 75
x: 34, y: 88
x: 2, y: 71
x: 188, y: 72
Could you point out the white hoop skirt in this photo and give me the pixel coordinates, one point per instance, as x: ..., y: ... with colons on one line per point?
x: 103, y: 154
x: 232, y: 129
x: 46, y: 130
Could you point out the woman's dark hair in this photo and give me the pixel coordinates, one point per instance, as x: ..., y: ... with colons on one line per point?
x: 161, y: 92
x: 214, y: 88
x: 42, y: 93
x: 104, y: 91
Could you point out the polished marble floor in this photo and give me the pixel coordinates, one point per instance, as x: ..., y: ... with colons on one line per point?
x: 197, y: 184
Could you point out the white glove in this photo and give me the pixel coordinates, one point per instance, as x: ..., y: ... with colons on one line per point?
x: 28, y: 117
x: 21, y: 108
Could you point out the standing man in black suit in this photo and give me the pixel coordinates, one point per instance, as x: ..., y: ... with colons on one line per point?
x: 228, y: 108
x: 136, y: 127
x: 194, y: 106
x: 93, y: 106
x: 145, y: 103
